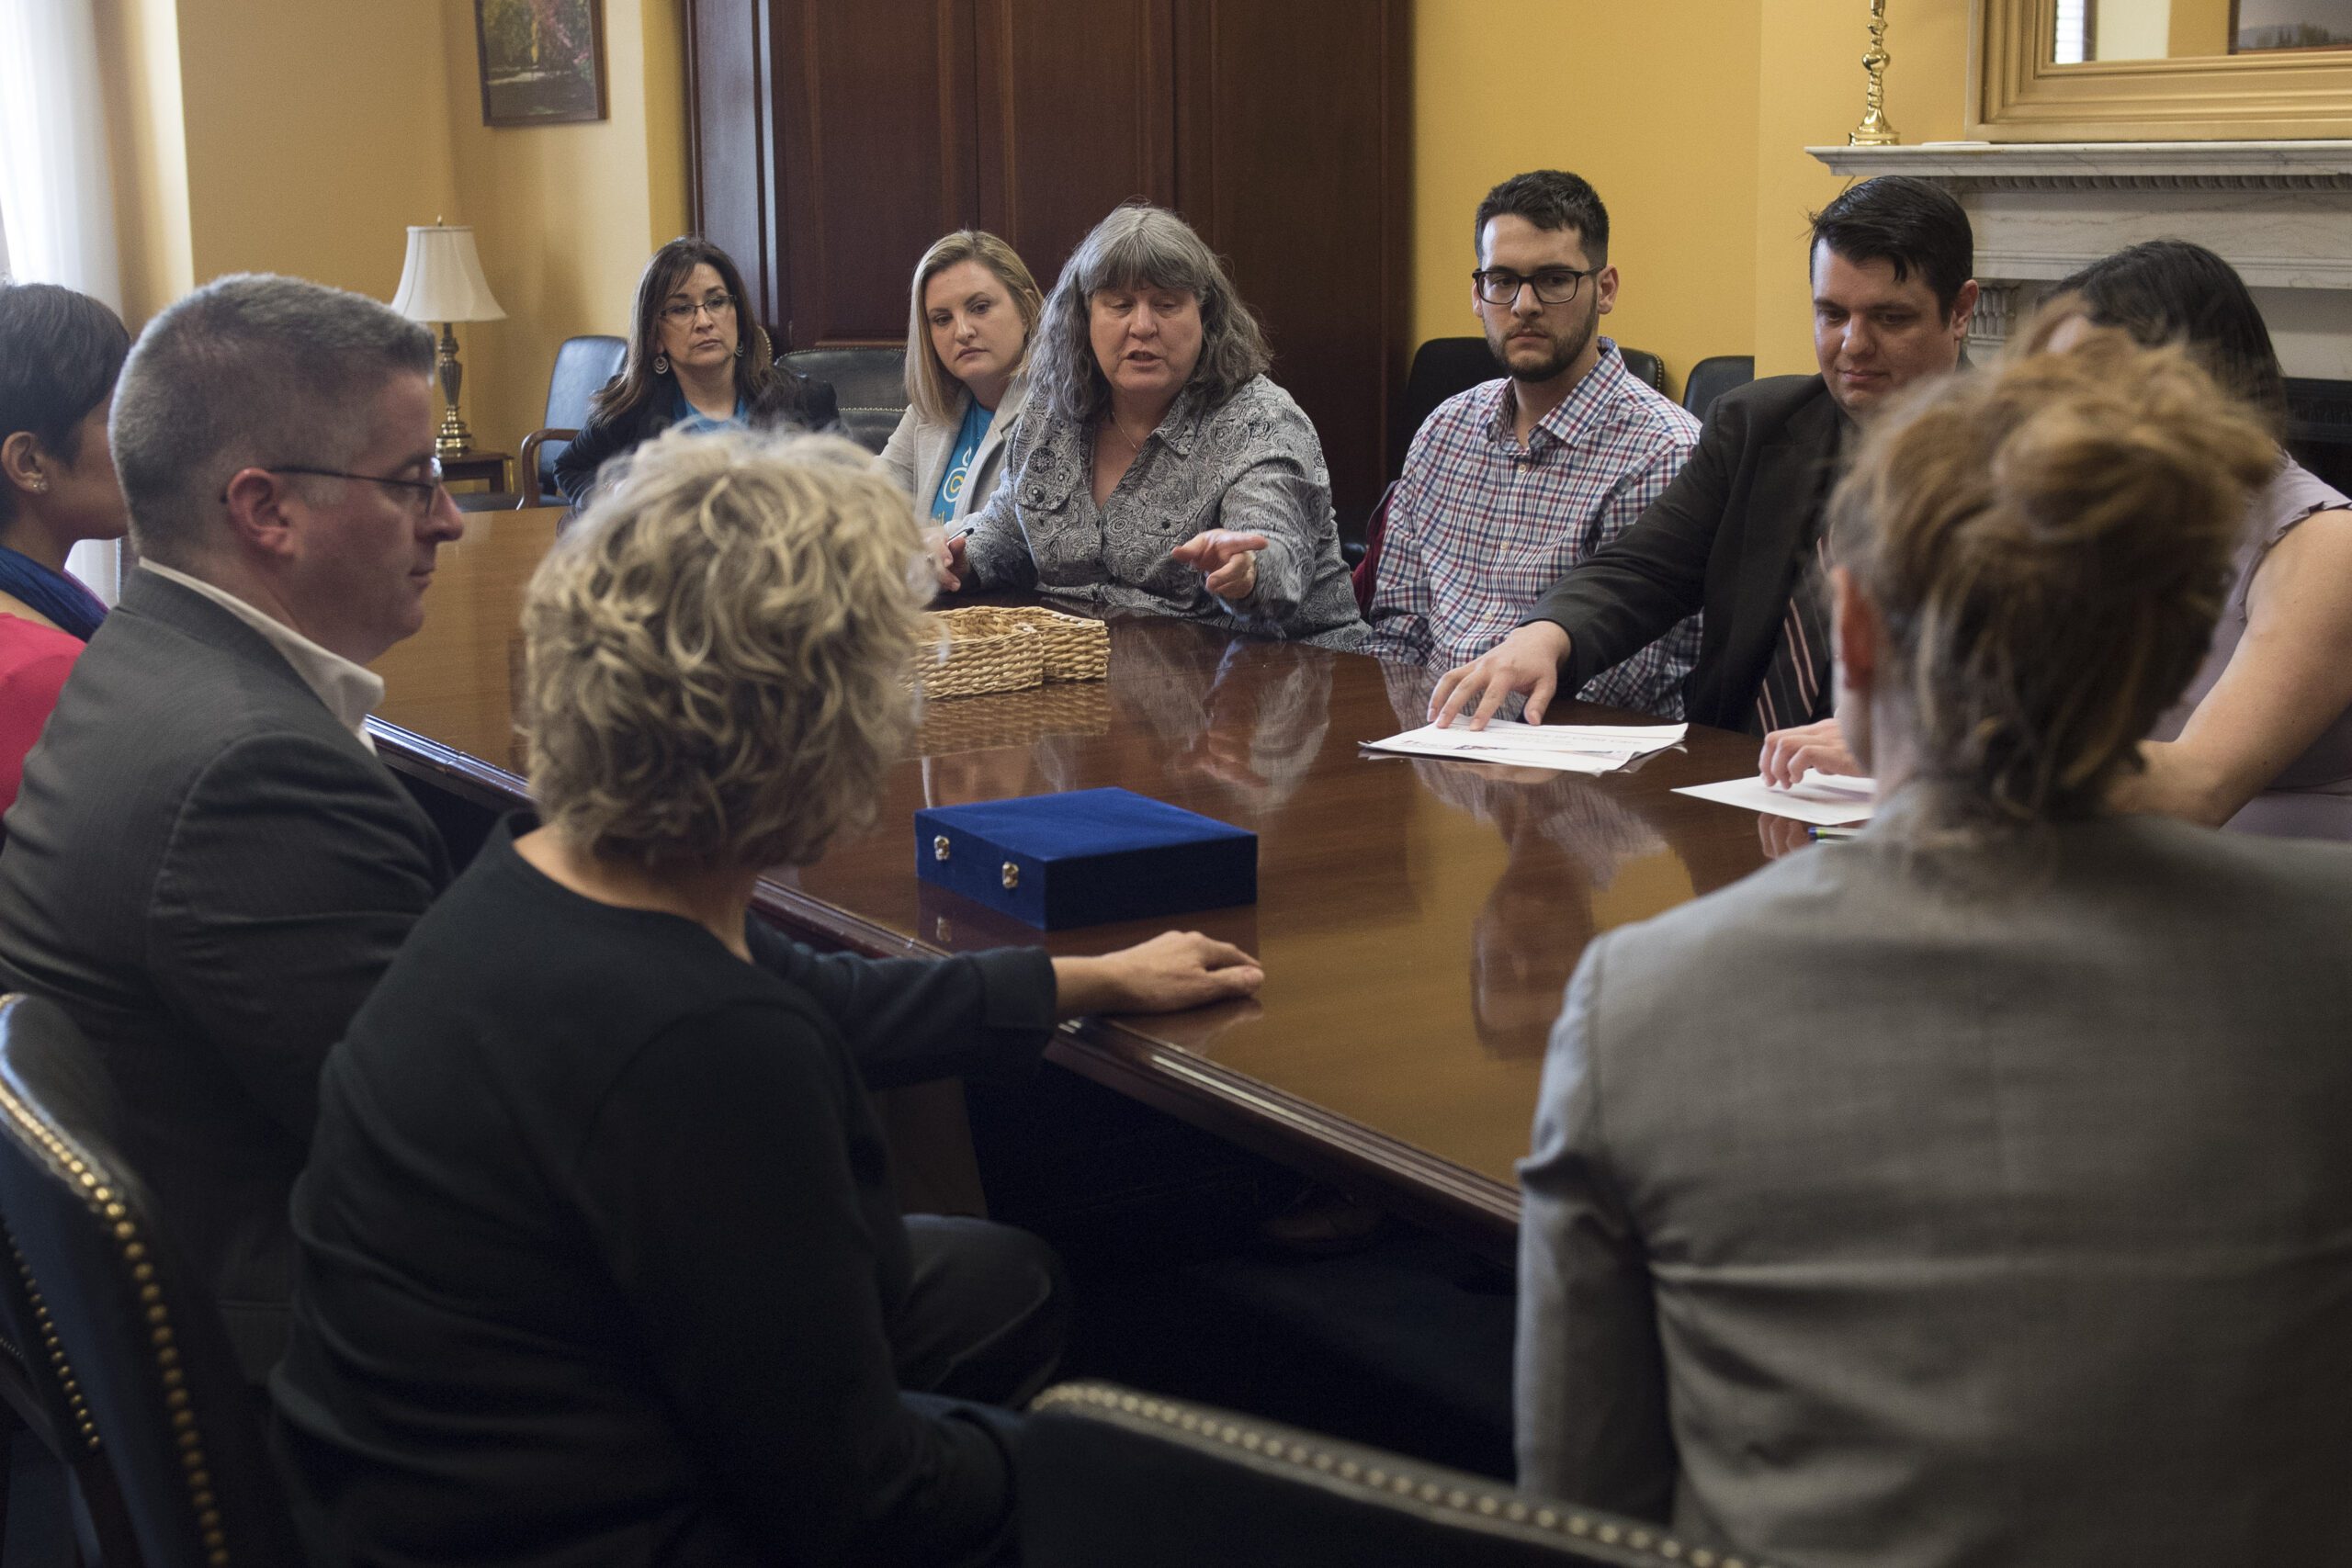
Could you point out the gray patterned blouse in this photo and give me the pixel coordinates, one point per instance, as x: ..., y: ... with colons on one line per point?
x: 1252, y: 464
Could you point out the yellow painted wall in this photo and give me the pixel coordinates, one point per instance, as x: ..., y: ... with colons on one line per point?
x: 1656, y: 107
x: 1691, y: 123
x: 303, y: 137
x: 139, y: 48
x: 565, y: 214
x: 306, y: 135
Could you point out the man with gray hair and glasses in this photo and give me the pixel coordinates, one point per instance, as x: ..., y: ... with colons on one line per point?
x: 207, y: 866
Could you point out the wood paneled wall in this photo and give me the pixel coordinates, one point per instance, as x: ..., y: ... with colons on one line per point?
x: 833, y: 142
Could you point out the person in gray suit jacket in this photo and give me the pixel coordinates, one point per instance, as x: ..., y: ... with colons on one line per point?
x: 974, y: 310
x: 1976, y: 1191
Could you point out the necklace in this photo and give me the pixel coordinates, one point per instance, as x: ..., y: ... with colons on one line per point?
x: 1135, y: 447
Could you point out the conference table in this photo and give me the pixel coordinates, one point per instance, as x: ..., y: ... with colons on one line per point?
x: 1417, y: 919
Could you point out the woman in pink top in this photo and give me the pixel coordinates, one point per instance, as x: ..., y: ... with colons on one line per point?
x: 59, y: 352
x: 2261, y: 741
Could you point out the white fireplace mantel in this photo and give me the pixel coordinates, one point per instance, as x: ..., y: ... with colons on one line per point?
x: 2280, y: 211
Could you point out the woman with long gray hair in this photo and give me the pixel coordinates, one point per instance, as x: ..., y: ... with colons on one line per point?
x: 1157, y: 467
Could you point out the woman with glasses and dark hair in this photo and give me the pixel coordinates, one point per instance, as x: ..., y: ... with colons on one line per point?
x: 59, y: 352
x: 2261, y: 740
x: 1157, y: 467
x: 697, y: 361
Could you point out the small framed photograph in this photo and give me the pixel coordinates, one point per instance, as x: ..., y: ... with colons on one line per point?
x: 2262, y: 26
x: 542, y: 60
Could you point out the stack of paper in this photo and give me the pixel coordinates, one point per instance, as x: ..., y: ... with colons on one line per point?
x: 1822, y: 799
x: 1568, y: 748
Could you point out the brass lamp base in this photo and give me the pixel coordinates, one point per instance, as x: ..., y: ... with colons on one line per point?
x: 453, y: 439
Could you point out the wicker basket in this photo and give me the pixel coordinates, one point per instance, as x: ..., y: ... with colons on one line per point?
x: 993, y: 648
x: 1076, y: 648
x: 980, y: 650
x: 1013, y: 718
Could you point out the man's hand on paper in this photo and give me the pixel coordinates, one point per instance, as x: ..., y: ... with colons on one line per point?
x: 1527, y: 660
x: 1789, y: 752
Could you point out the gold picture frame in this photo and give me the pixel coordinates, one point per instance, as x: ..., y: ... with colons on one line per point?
x: 2016, y: 94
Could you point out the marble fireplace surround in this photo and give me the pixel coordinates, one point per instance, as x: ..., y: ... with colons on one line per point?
x: 2280, y: 211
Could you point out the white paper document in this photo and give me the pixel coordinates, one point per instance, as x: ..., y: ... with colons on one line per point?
x: 1568, y: 748
x: 1823, y: 799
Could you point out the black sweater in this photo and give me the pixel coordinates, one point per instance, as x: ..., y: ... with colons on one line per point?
x: 793, y: 400
x: 598, y: 1247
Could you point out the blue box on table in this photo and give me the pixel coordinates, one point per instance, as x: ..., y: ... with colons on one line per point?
x: 1086, y: 857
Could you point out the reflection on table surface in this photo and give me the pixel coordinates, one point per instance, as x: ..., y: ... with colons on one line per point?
x: 1417, y: 918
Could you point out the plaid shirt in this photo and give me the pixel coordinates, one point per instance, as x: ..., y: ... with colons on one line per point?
x: 1479, y: 526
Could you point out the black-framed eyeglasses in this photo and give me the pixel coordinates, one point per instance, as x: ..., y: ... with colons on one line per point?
x: 1553, y: 284
x: 423, y: 492
x: 681, y: 311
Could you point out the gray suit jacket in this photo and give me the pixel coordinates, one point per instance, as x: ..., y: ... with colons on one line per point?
x: 209, y: 872
x: 917, y: 453
x: 1878, y: 1216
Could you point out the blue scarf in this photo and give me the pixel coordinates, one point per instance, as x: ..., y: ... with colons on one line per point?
x: 75, y: 608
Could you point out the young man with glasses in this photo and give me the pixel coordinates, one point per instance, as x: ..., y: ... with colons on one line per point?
x: 1738, y: 535
x: 1512, y: 482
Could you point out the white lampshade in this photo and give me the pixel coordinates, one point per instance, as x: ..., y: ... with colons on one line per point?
x: 442, y: 280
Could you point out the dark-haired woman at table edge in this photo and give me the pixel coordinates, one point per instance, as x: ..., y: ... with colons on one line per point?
x: 697, y: 362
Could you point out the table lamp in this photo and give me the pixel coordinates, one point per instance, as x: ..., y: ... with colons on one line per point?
x: 442, y: 281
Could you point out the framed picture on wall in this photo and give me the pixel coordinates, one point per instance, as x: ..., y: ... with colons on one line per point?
x: 542, y: 60
x: 2260, y: 26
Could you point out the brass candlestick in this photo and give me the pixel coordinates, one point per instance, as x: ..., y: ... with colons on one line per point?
x: 1874, y: 130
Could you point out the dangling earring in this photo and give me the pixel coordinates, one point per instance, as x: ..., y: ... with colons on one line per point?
x: 660, y: 365
x: 738, y: 350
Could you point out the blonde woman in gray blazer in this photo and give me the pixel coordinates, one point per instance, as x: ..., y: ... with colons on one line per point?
x: 973, y: 308
x: 1976, y: 1191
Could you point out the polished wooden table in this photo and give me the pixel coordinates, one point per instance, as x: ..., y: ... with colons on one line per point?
x: 1417, y: 920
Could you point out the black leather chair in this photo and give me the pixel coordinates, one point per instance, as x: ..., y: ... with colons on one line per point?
x: 582, y: 365
x: 142, y: 1355
x: 870, y: 384
x: 1110, y: 1476
x: 44, y: 1399
x: 1648, y: 368
x: 1711, y: 378
x: 1444, y: 366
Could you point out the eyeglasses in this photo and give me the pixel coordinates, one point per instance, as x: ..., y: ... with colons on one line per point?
x: 422, y: 493
x: 1553, y: 284
x: 681, y: 312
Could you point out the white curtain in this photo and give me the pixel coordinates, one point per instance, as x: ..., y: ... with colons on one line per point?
x: 56, y: 197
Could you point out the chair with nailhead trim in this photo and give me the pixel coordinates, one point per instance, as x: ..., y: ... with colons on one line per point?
x: 139, y: 1353
x: 1108, y: 1475
x: 41, y: 1394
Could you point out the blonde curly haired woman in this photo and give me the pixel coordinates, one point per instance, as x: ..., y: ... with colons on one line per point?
x: 600, y: 1255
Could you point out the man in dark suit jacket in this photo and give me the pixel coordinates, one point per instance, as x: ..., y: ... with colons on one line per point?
x: 207, y: 866
x: 1737, y: 533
